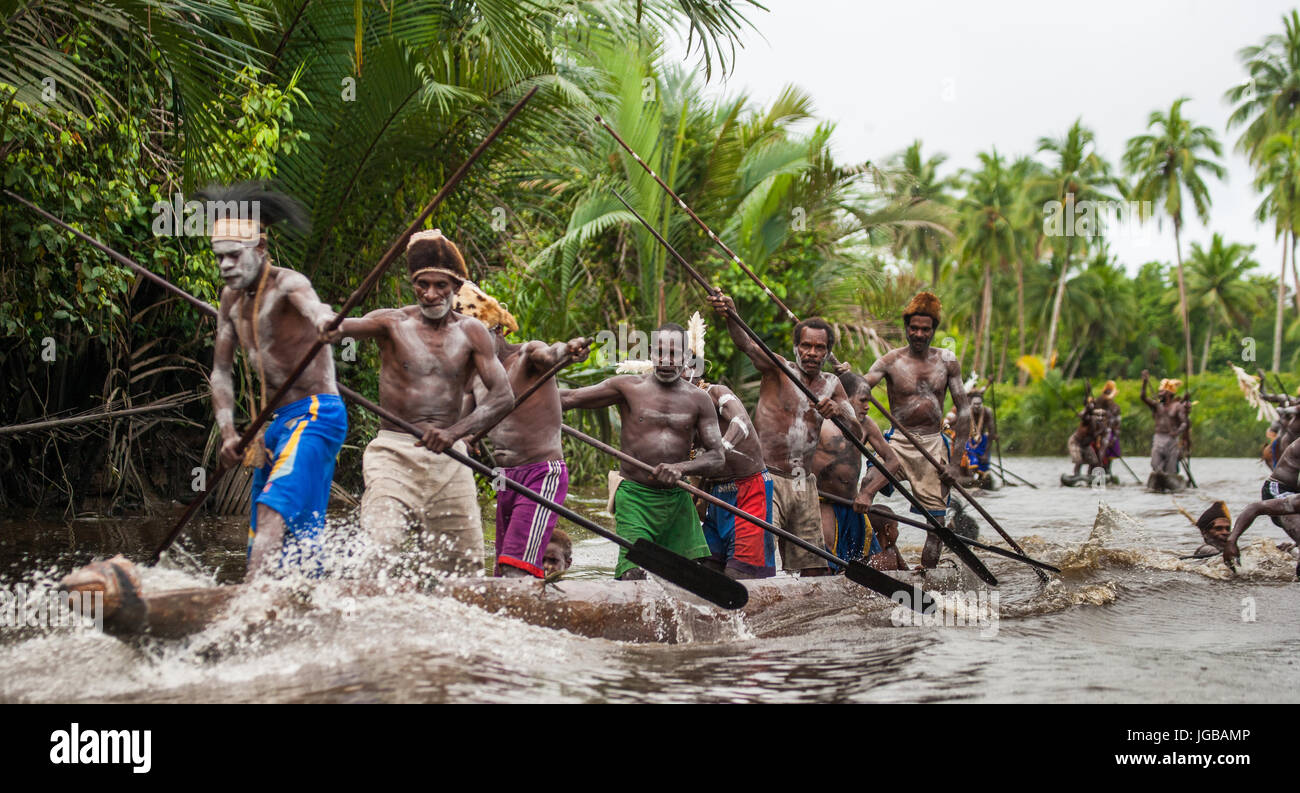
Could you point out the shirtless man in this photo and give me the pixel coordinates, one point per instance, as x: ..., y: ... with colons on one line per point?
x: 738, y: 548
x: 428, y: 353
x: 789, y: 428
x: 1214, y: 524
x: 1170, y: 415
x: 1106, y: 401
x: 837, y: 464
x: 275, y: 316
x: 918, y: 377
x: 983, y: 432
x: 526, y: 444
x: 1280, y: 500
x: 660, y: 415
x: 1087, y: 439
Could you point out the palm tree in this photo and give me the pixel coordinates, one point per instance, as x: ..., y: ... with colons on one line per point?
x: 1279, y: 174
x: 1218, y: 284
x: 922, y: 183
x: 1078, y: 174
x: 1028, y: 230
x: 1268, y: 101
x: 987, y: 235
x: 1163, y: 166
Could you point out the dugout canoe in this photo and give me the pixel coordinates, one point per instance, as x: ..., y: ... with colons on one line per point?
x: 632, y: 611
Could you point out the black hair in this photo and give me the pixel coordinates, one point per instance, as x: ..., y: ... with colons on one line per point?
x: 673, y: 327
x: 272, y: 206
x: 852, y: 381
x: 819, y: 324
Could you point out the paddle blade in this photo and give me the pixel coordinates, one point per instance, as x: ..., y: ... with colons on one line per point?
x: 691, y: 576
x: 912, y: 596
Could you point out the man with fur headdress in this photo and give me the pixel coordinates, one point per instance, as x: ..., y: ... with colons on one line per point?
x: 919, y: 377
x: 1170, y: 415
x: 274, y: 314
x: 1214, y: 524
x: 663, y: 418
x: 789, y: 428
x: 428, y: 353
x: 526, y: 443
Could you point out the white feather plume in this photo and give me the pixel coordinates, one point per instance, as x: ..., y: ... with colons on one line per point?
x: 635, y: 366
x: 1249, y: 383
x: 695, y: 330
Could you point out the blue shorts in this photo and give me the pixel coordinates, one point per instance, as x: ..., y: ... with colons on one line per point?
x: 734, y: 542
x: 303, y: 439
x: 850, y: 535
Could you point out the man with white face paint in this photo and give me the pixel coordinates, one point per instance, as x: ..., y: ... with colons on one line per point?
x: 275, y: 315
x: 661, y: 414
x: 428, y: 354
x: 789, y: 427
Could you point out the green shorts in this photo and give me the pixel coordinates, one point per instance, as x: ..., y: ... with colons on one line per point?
x: 665, y: 517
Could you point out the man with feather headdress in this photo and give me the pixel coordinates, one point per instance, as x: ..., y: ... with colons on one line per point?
x: 661, y: 415
x: 274, y: 314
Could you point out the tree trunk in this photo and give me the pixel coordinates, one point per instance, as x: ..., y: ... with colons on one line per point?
x: 1182, y: 306
x: 1281, y: 309
x: 987, y: 311
x: 1295, y: 278
x: 1056, y: 303
x: 1020, y: 315
x: 1205, y: 350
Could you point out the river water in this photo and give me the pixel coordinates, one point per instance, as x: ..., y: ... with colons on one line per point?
x: 1126, y: 621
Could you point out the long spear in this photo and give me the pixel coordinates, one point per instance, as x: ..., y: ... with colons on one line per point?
x: 856, y: 570
x: 949, y: 538
x: 706, y: 583
x: 965, y: 494
x: 356, y: 297
x: 734, y: 258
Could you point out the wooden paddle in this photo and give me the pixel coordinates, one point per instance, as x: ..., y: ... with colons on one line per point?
x: 685, y: 573
x: 856, y: 570
x: 949, y: 538
x: 891, y: 515
x: 356, y: 297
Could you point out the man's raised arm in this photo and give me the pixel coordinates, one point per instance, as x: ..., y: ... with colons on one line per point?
x: 725, y: 306
x: 600, y: 395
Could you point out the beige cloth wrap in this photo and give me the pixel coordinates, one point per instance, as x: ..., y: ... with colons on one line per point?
x: 412, y: 492
x: 923, y: 476
x: 796, y: 509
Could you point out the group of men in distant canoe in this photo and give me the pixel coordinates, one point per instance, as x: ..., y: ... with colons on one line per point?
x: 447, y: 368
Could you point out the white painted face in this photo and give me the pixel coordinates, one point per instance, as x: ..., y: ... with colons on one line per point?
x: 240, y: 264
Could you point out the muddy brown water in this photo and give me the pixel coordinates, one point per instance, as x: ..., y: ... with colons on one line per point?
x: 1126, y: 621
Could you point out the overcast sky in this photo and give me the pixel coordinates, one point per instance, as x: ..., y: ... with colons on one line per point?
x: 964, y: 77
